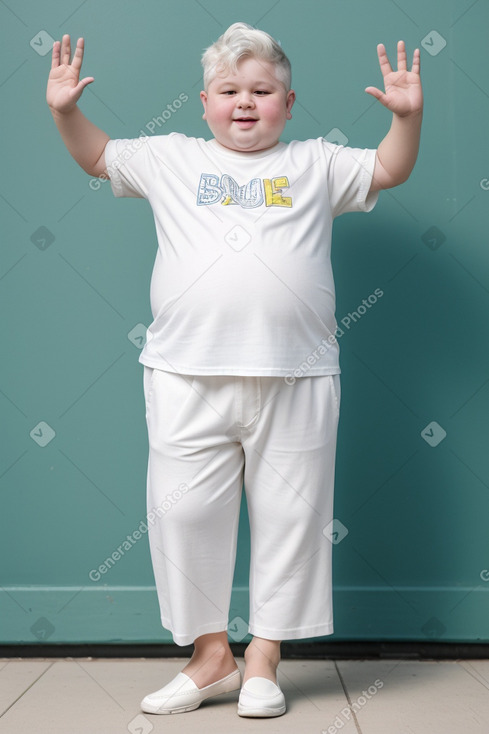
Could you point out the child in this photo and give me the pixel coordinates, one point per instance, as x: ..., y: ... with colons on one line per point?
x: 241, y: 364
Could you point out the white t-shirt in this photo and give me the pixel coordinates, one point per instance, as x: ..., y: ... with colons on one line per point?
x: 242, y: 282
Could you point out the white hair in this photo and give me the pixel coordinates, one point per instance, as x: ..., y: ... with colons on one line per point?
x: 242, y: 40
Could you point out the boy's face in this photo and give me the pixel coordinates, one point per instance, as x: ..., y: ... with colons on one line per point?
x: 247, y: 111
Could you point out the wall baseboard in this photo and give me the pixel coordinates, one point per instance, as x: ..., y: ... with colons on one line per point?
x: 337, y: 650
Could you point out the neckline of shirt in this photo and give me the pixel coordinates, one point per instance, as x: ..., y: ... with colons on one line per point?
x: 228, y: 153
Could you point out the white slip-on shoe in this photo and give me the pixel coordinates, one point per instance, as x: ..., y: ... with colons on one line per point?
x: 261, y: 697
x: 182, y: 694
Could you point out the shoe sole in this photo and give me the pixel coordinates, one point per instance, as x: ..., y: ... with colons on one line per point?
x: 181, y: 710
x: 243, y: 711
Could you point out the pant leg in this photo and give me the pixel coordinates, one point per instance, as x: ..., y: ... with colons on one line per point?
x: 289, y: 484
x: 195, y: 479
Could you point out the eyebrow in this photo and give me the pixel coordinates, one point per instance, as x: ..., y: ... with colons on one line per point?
x: 258, y: 83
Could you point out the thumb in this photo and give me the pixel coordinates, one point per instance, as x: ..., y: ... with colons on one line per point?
x: 375, y: 92
x: 77, y: 91
x: 379, y: 96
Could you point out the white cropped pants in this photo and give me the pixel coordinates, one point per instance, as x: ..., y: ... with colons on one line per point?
x: 209, y: 434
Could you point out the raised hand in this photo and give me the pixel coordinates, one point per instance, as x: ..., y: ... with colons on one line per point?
x: 64, y: 87
x: 403, y: 93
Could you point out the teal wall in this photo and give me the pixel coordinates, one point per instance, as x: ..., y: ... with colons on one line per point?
x: 74, y: 284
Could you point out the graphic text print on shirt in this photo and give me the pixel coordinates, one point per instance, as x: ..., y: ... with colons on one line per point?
x: 226, y: 190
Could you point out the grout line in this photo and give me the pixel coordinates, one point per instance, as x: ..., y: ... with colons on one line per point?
x: 347, y: 695
x: 27, y: 689
x: 465, y: 665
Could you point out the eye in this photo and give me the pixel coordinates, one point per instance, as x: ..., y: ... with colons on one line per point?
x: 261, y: 91
x: 229, y: 91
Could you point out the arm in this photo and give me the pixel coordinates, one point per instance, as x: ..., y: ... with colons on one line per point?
x: 397, y: 153
x: 85, y: 141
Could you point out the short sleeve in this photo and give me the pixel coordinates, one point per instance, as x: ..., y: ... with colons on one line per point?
x: 128, y: 164
x: 350, y: 172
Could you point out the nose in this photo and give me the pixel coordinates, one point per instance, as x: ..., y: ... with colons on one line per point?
x: 245, y: 100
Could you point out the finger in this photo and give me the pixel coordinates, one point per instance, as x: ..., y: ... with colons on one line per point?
x: 401, y: 56
x: 76, y: 91
x: 65, y: 49
x: 385, y: 66
x: 377, y: 93
x: 78, y: 55
x: 55, y: 55
x: 416, y: 61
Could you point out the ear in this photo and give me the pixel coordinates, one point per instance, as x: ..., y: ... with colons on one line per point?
x: 289, y: 102
x: 203, y: 97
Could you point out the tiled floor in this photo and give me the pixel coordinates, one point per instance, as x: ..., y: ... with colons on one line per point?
x: 101, y: 696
